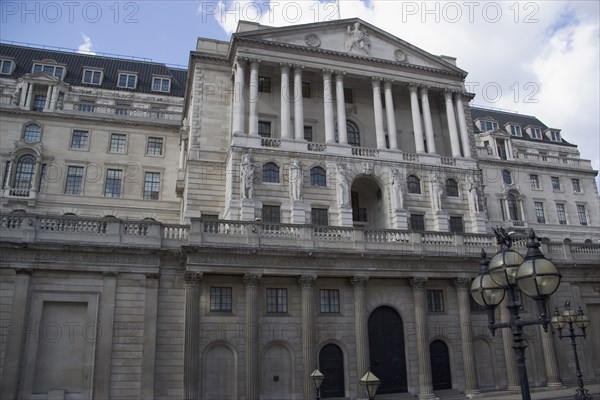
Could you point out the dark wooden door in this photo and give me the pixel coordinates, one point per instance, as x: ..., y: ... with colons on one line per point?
x: 331, y: 365
x: 440, y: 365
x: 386, y: 348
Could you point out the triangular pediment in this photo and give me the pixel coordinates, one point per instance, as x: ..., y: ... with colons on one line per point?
x: 41, y: 77
x: 351, y: 37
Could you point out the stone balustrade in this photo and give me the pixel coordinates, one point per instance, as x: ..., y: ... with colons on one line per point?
x: 29, y: 228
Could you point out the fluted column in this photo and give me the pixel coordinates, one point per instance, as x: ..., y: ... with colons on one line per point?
x: 361, y: 327
x: 389, y: 112
x: 464, y: 315
x: 328, y: 107
x: 191, y: 345
x: 341, y: 107
x: 454, y: 141
x: 238, y: 97
x: 550, y: 362
x: 462, y: 125
x: 512, y: 373
x: 427, y: 119
x: 378, y: 112
x: 416, y: 117
x: 307, y: 285
x: 298, y: 104
x: 253, y: 108
x: 285, y: 101
x: 252, y: 362
x: 425, y: 385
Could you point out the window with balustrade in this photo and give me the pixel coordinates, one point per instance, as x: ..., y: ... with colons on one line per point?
x: 271, y: 214
x: 25, y: 172
x: 417, y: 222
x: 413, y: 184
x: 451, y: 188
x: 456, y: 225
x: 513, y: 207
x: 264, y: 129
x: 319, y: 216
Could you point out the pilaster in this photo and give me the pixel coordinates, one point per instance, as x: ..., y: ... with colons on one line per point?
x: 361, y: 327
x: 252, y: 281
x: 307, y: 287
x: 464, y: 314
x: 191, y: 345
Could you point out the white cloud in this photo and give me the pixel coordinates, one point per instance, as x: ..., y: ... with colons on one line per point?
x: 87, y: 46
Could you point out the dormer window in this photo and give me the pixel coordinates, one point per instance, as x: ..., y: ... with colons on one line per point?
x: 6, y: 67
x: 161, y: 84
x: 536, y: 133
x: 92, y: 76
x: 515, y: 130
x: 555, y: 136
x: 127, y: 80
x: 486, y: 126
x: 53, y: 70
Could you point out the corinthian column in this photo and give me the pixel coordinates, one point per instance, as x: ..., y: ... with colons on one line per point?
x: 191, y: 346
x: 425, y: 385
x: 307, y: 285
x: 252, y: 387
x: 328, y: 107
x: 462, y: 125
x: 361, y: 327
x: 285, y: 101
x: 552, y: 374
x: 238, y: 97
x: 341, y: 108
x: 253, y: 117
x: 389, y: 112
x: 464, y: 316
x: 298, y: 104
x: 416, y: 117
x: 454, y: 141
x: 428, y: 122
x: 378, y: 112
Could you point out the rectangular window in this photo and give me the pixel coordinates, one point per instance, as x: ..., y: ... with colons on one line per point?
x: 122, y: 108
x: 576, y: 186
x: 555, y: 136
x: 417, y: 222
x: 560, y: 212
x: 534, y: 181
x: 348, y: 96
x: 488, y: 126
x: 581, y: 214
x: 264, y: 84
x: 264, y: 129
x: 308, y: 133
x: 114, y: 183
x: 271, y: 214
x: 536, y: 133
x: 74, y: 180
x: 515, y: 130
x: 456, y: 225
x: 5, y: 67
x: 220, y: 299
x: 155, y: 146
x: 118, y: 143
x: 79, y: 139
x: 330, y: 301
x: 151, y: 185
x: 539, y: 212
x: 39, y: 102
x: 127, y: 81
x: 161, y: 84
x: 435, y: 301
x: 51, y: 70
x: 306, y: 90
x: 319, y: 216
x: 276, y: 300
x: 92, y: 77
x: 87, y: 105
x: 555, y: 183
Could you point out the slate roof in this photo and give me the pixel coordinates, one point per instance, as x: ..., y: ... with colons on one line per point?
x: 24, y: 58
x: 504, y: 117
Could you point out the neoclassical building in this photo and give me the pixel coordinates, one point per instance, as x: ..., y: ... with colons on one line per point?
x: 307, y: 196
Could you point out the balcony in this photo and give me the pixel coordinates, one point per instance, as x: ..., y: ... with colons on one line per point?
x: 359, y: 215
x: 25, y: 195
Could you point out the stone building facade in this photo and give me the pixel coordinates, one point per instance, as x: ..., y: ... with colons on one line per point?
x: 320, y: 197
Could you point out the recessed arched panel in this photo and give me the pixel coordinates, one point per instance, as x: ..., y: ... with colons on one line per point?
x: 277, y: 369
x: 219, y: 373
x: 484, y: 362
x: 331, y: 365
x: 441, y: 377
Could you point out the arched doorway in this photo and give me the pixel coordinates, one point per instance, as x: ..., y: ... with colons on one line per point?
x: 219, y: 371
x: 331, y: 365
x: 386, y: 348
x: 441, y: 377
x: 277, y: 373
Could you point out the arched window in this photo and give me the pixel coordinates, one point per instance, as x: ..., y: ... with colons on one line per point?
x: 318, y: 177
x: 270, y: 173
x: 413, y: 184
x: 353, y: 134
x: 32, y: 133
x: 451, y: 188
x: 506, y: 177
x: 25, y: 171
x: 513, y: 209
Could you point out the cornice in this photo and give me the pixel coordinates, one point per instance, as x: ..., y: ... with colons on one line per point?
x: 525, y: 164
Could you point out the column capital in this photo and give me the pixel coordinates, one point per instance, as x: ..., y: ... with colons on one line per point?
x: 241, y: 60
x: 285, y: 66
x: 254, y: 61
x: 359, y: 281
x: 376, y: 81
x: 153, y: 275
x: 193, y: 278
x: 251, y: 280
x: 448, y: 92
x: 462, y: 283
x: 327, y: 72
x: 424, y: 89
x: 298, y: 67
x: 339, y: 75
x: 307, y: 281
x: 387, y: 82
x: 417, y: 283
x: 413, y: 87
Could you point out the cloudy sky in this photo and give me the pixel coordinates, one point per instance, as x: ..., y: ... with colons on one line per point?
x: 536, y: 57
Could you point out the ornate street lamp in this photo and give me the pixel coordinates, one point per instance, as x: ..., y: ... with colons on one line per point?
x: 534, y: 275
x: 570, y: 317
x: 370, y: 382
x: 317, y: 379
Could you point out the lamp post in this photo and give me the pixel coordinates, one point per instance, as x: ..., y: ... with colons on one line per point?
x: 534, y: 275
x: 570, y: 317
x: 317, y: 378
x: 370, y: 382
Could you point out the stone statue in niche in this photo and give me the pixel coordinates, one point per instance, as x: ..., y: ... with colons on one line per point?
x: 473, y: 196
x: 247, y: 177
x: 397, y: 196
x: 436, y: 194
x: 343, y: 186
x: 296, y: 177
x: 357, y: 39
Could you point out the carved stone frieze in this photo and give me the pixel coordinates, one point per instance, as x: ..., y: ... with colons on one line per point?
x: 78, y: 257
x: 251, y: 279
x: 359, y: 281
x: 462, y: 283
x: 307, y: 281
x: 192, y: 278
x: 417, y: 283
